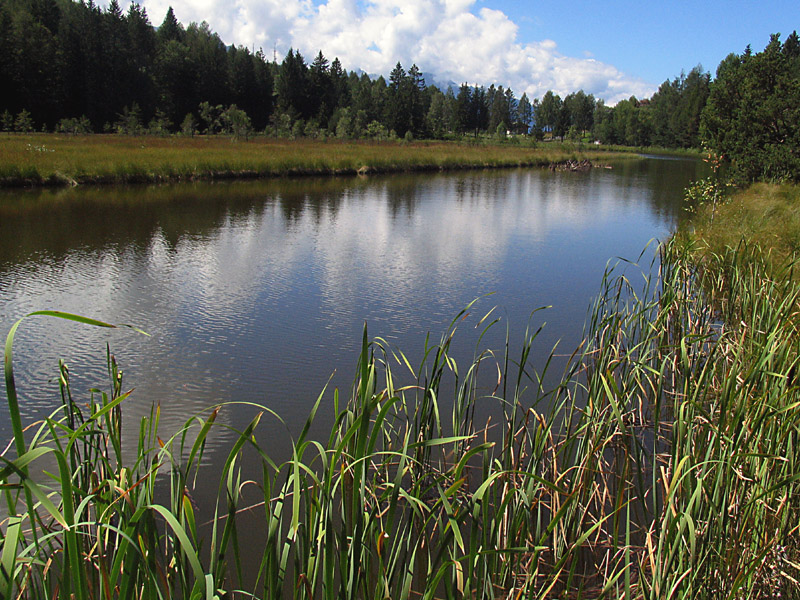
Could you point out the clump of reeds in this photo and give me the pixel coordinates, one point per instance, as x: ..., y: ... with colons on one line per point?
x: 662, y: 464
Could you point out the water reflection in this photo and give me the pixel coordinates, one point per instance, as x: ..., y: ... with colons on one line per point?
x: 258, y: 291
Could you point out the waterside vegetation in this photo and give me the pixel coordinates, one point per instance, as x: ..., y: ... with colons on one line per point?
x: 764, y: 215
x: 662, y: 463
x: 49, y: 159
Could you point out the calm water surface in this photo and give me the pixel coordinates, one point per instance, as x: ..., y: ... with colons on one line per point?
x: 259, y: 291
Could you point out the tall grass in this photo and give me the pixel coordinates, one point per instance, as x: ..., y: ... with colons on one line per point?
x: 661, y: 464
x: 764, y: 214
x: 51, y: 159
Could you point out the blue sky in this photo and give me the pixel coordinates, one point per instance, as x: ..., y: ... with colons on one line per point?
x: 653, y: 40
x: 612, y: 49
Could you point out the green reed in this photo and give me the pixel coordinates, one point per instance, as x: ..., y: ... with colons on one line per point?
x: 660, y: 464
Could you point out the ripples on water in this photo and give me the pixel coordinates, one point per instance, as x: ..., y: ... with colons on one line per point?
x: 258, y: 291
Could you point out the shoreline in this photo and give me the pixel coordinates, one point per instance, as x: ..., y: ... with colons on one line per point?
x: 61, y: 181
x: 62, y: 161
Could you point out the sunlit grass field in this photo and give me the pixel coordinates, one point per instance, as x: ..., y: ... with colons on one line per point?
x: 767, y: 215
x: 59, y: 159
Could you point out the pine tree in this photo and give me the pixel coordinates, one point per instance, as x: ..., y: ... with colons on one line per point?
x: 339, y: 81
x: 524, y: 117
x: 416, y: 98
x: 752, y: 117
x: 292, y: 86
x: 9, y: 66
x: 242, y: 85
x: 399, y: 101
x: 142, y: 56
x: 464, y: 109
x: 322, y: 94
x: 211, y: 56
x: 170, y: 29
x: 549, y: 115
x: 176, y: 76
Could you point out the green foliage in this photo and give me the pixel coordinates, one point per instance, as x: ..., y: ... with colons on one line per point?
x: 130, y: 121
x: 574, y: 135
x: 674, y: 111
x: 236, y: 123
x: 670, y: 118
x: 23, y: 123
x: 170, y: 29
x: 70, y: 58
x: 211, y: 117
x: 189, y: 125
x: 292, y: 86
x: 625, y: 124
x: 312, y: 130
x: 281, y: 125
x: 550, y: 114
x: 752, y: 118
x: 344, y: 125
x: 7, y: 121
x: 502, y: 107
x: 64, y: 58
x: 72, y: 126
x: 160, y: 124
x: 580, y: 107
x: 436, y: 117
x: 298, y: 127
x: 377, y: 131
x: 703, y: 191
x: 524, y: 117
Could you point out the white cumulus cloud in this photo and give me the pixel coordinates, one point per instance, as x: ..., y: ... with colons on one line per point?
x: 452, y: 39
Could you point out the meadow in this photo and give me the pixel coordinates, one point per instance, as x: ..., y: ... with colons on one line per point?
x: 55, y: 159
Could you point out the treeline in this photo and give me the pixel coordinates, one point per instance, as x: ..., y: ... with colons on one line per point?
x: 67, y: 60
x: 74, y: 67
x: 752, y: 118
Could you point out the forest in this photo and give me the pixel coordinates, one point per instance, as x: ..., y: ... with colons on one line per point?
x: 74, y: 67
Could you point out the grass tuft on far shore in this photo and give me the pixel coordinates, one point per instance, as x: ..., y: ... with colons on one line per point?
x: 53, y: 159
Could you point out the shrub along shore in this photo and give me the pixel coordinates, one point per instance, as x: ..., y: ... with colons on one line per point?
x: 662, y: 463
x: 51, y: 159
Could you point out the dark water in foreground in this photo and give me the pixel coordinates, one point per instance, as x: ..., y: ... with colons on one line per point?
x: 259, y: 291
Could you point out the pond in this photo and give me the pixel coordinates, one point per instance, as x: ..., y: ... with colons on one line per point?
x: 258, y: 292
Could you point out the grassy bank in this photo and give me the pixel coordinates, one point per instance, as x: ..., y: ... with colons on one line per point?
x: 657, y: 151
x: 763, y: 215
x: 49, y: 159
x: 662, y: 464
